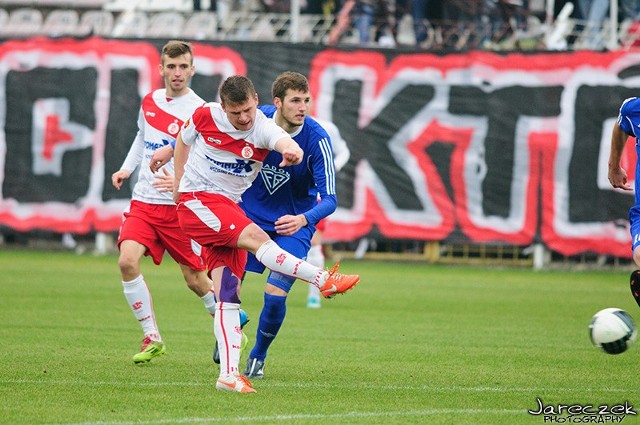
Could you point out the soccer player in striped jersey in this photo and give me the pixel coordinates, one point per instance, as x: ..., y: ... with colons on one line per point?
x: 218, y: 155
x: 150, y: 224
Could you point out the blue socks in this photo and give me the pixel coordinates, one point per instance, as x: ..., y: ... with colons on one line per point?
x: 271, y: 318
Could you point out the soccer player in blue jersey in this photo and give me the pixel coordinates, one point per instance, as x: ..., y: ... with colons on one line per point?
x: 284, y: 201
x: 628, y: 125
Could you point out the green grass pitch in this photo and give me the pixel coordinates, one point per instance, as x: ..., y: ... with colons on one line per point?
x: 411, y: 344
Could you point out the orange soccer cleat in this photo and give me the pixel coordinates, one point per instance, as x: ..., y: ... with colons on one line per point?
x: 338, y: 283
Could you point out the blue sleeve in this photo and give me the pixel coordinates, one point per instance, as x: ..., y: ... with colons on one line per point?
x: 628, y: 114
x: 324, y: 174
x: 324, y: 208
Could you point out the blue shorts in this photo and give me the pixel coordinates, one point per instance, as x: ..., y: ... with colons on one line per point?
x: 634, y: 221
x: 298, y: 245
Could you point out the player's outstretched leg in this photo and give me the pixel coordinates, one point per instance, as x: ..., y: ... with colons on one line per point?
x: 635, y: 285
x: 330, y: 282
x: 338, y: 283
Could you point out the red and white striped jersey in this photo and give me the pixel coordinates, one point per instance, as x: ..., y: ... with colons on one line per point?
x: 222, y: 159
x: 159, y: 122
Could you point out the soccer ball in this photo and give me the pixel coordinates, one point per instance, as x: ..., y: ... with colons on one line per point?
x: 613, y: 330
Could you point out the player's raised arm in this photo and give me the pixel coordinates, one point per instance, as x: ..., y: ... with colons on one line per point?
x: 180, y: 156
x: 291, y: 152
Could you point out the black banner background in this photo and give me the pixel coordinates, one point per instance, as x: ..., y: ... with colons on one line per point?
x: 478, y: 147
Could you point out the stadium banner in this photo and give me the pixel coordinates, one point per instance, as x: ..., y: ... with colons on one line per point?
x: 473, y: 147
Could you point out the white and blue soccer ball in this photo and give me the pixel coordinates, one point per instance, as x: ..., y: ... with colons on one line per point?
x: 612, y: 330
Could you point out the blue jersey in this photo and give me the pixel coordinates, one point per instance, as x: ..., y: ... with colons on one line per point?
x: 629, y: 117
x: 629, y: 122
x: 294, y: 189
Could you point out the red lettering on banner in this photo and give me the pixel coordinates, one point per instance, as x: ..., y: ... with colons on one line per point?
x: 53, y: 135
x: 106, y: 58
x: 539, y: 186
x: 446, y: 169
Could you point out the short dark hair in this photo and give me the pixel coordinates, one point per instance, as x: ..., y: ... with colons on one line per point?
x: 236, y: 89
x: 289, y: 80
x: 175, y: 48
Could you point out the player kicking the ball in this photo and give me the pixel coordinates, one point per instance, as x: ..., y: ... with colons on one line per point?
x: 218, y: 153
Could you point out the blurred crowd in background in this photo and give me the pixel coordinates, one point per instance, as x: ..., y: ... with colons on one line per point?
x: 425, y: 24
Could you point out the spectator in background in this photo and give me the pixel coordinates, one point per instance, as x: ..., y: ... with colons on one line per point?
x: 367, y: 17
x: 630, y: 9
x: 419, y: 16
x: 463, y: 19
x: 276, y: 6
x: 594, y: 13
x: 197, y: 6
x: 364, y: 15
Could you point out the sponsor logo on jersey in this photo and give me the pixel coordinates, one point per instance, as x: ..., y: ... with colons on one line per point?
x: 213, y: 140
x: 238, y: 167
x: 155, y: 145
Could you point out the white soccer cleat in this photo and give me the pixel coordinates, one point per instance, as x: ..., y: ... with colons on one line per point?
x: 235, y: 383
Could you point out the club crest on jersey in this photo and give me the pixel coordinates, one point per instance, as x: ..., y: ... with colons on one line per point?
x: 273, y: 177
x: 173, y: 128
x: 247, y: 152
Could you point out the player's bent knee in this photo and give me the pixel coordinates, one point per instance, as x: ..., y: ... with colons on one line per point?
x: 128, y: 265
x: 252, y: 238
x: 279, y: 284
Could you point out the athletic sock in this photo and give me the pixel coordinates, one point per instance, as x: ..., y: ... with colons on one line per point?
x: 271, y: 318
x: 315, y: 257
x: 138, y: 296
x: 226, y: 326
x: 209, y: 301
x: 279, y: 260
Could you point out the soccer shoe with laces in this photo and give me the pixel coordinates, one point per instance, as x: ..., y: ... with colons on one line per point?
x: 338, y: 283
x: 255, y: 369
x: 235, y: 382
x: 244, y: 319
x: 149, y: 350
